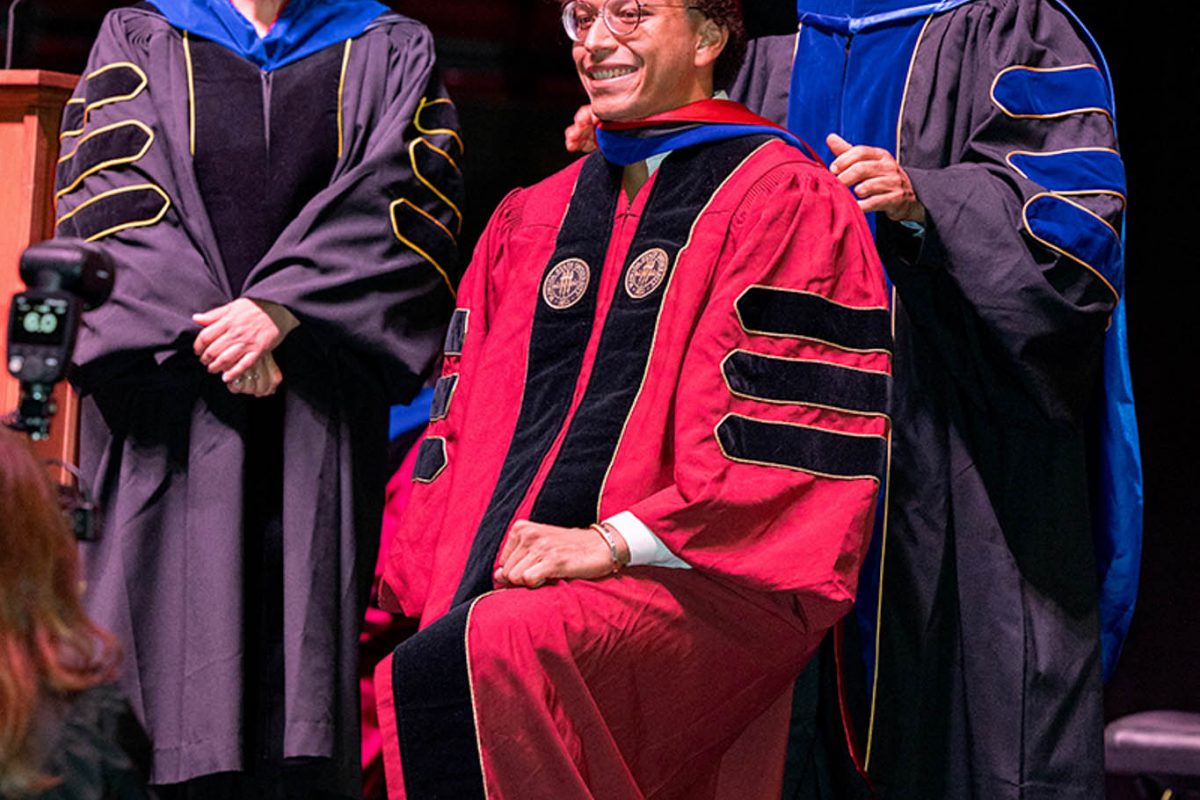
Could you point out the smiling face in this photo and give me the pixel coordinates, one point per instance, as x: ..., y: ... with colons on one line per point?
x: 667, y: 62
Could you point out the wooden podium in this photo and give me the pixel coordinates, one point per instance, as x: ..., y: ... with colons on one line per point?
x: 31, y: 104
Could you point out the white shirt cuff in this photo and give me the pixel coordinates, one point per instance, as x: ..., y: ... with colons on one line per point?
x: 645, y: 549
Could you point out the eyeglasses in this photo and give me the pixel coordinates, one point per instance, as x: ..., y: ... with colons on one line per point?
x: 622, y: 17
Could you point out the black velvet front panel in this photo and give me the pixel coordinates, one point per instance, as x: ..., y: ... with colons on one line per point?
x: 571, y: 493
x: 266, y: 143
x: 435, y: 717
x: 556, y: 350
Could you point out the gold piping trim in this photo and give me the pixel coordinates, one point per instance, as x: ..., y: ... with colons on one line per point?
x: 471, y: 687
x: 412, y: 154
x: 1075, y: 192
x: 887, y: 471
x: 834, y: 345
x: 466, y: 326
x: 1056, y: 115
x: 424, y: 104
x: 83, y: 120
x: 117, y: 98
x: 112, y: 162
x: 413, y: 246
x: 823, y: 362
x: 658, y: 321
x: 908, y: 82
x: 804, y: 403
x: 829, y: 300
x: 124, y: 225
x: 883, y: 534
x: 453, y: 390
x: 893, y: 313
x: 1056, y: 248
x: 191, y: 83
x: 445, y: 461
x: 424, y: 213
x: 883, y: 537
x: 817, y: 473
x: 341, y: 94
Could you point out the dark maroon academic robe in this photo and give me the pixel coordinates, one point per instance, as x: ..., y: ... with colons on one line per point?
x: 366, y: 265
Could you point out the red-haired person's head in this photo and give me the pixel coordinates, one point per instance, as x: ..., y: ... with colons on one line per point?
x: 48, y: 645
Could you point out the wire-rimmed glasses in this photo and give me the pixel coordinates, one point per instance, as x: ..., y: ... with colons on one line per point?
x: 622, y: 17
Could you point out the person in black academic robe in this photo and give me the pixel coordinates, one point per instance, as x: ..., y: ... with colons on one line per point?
x: 985, y: 134
x: 310, y: 176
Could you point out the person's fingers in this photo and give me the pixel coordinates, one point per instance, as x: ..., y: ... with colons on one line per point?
x: 876, y: 187
x: 512, y: 541
x: 581, y: 133
x: 517, y: 573
x: 837, y: 144
x: 516, y: 547
x: 862, y: 171
x: 274, y: 377
x: 213, y: 331
x: 224, y: 354
x: 537, y: 575
x: 210, y: 316
x: 890, y: 203
x: 264, y: 375
x: 254, y: 380
x: 579, y: 141
x: 216, y: 346
x: 856, y: 154
x: 848, y: 159
x: 239, y: 369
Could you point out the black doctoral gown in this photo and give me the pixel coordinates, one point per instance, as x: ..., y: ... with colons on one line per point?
x: 987, y: 680
x: 239, y: 534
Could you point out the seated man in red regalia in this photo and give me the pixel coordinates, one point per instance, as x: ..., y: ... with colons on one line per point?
x: 654, y: 452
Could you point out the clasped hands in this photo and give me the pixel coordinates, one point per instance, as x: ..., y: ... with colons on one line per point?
x: 237, y: 340
x: 874, y: 176
x: 535, y: 553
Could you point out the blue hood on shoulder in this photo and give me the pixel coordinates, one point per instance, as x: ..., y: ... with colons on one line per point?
x: 303, y: 28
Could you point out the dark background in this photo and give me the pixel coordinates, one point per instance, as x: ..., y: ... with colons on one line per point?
x: 506, y: 64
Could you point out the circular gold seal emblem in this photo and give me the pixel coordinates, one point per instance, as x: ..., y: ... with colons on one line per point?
x: 566, y: 283
x: 646, y: 273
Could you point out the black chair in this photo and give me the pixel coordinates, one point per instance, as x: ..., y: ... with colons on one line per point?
x: 1161, y: 749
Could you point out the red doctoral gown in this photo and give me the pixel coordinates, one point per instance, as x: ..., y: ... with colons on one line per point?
x: 712, y: 357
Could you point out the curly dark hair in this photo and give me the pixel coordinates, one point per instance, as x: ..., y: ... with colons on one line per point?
x: 727, y: 14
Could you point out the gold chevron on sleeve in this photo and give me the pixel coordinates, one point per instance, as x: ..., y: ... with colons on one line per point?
x: 423, y: 218
x: 116, y: 210
x: 109, y: 73
x: 424, y: 104
x: 108, y: 141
